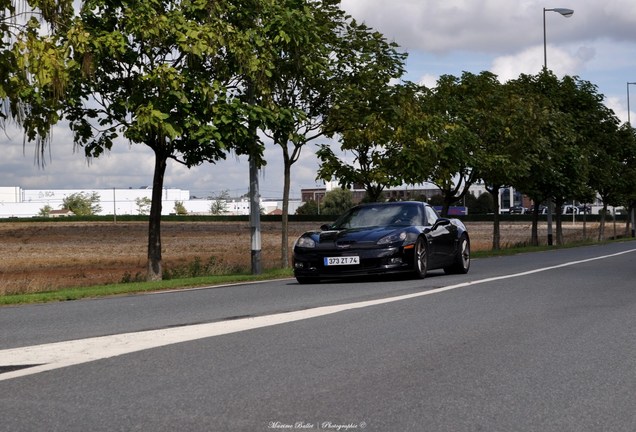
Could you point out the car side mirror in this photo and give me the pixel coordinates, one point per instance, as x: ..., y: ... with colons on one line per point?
x: 325, y: 227
x: 441, y: 222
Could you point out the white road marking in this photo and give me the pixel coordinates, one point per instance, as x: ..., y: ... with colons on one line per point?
x: 61, y: 354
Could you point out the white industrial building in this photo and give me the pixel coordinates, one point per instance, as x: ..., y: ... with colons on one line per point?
x: 24, y: 203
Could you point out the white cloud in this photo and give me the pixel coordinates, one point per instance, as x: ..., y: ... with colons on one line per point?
x: 530, y: 61
x: 618, y: 106
x: 428, y: 80
x: 492, y: 25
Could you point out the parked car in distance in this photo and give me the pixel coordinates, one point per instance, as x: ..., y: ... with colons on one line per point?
x: 518, y: 210
x: 393, y: 237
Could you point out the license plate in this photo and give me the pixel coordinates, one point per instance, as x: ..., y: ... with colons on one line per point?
x: 343, y: 260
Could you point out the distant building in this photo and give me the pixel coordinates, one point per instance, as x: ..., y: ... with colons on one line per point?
x: 17, y: 202
x: 358, y: 193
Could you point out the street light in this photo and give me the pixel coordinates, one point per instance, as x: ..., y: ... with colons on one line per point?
x: 566, y: 13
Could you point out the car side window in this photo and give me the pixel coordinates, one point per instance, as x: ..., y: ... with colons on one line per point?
x: 431, y: 216
x: 418, y: 217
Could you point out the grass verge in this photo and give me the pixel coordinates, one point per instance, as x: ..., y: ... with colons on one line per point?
x: 138, y: 287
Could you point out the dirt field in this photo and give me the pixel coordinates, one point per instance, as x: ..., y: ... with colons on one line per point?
x: 40, y: 256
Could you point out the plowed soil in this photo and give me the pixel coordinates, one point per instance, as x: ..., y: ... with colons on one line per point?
x: 41, y: 256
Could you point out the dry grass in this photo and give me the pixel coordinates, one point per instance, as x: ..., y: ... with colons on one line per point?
x: 41, y: 256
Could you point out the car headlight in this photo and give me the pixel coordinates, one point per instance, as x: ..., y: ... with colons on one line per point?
x: 306, y: 242
x: 393, y: 238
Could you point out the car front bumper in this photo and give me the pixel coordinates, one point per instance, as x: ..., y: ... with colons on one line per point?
x: 309, y: 263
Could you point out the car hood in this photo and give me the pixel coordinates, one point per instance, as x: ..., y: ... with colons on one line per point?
x: 352, y: 236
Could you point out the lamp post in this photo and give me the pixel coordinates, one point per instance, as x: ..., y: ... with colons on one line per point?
x: 629, y: 123
x: 566, y: 13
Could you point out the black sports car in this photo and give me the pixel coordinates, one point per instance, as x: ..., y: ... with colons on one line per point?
x: 389, y: 237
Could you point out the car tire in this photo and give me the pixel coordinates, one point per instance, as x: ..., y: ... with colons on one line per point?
x: 420, y: 258
x: 462, y: 257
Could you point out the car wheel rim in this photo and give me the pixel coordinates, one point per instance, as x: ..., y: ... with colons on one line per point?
x: 421, y: 257
x: 465, y: 254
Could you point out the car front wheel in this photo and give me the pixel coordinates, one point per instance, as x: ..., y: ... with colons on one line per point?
x: 420, y: 258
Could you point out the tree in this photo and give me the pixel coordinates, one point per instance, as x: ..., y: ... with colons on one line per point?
x: 455, y: 143
x: 308, y: 208
x: 330, y: 53
x: 580, y: 101
x: 143, y: 205
x: 502, y: 117
x: 179, y: 208
x: 82, y: 203
x: 33, y: 72
x: 300, y: 85
x: 219, y: 203
x: 556, y: 167
x: 628, y: 174
x: 387, y: 136
x: 45, y: 211
x: 535, y: 181
x: 610, y: 154
x: 337, y: 201
x: 171, y: 76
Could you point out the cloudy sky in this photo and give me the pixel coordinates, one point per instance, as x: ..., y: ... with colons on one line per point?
x: 598, y: 44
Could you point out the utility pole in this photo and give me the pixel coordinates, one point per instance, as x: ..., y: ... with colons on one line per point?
x: 255, y: 204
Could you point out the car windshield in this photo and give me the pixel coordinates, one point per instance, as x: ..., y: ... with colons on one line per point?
x: 380, y: 215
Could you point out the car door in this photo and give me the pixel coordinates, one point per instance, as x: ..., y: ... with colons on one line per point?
x: 440, y: 237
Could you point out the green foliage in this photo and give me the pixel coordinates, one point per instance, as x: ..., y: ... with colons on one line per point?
x: 387, y: 138
x: 45, y: 211
x: 82, y: 203
x: 336, y: 202
x: 459, y: 108
x: 308, y: 208
x: 33, y: 71
x: 198, y: 268
x: 163, y: 72
x: 179, y: 208
x: 366, y: 118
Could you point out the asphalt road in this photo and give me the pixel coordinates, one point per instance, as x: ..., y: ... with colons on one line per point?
x: 532, y: 342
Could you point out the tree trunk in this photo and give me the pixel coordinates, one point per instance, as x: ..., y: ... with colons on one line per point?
x: 601, y: 227
x: 154, y: 227
x: 285, y: 217
x: 535, y: 223
x: 446, y: 205
x: 630, y: 220
x: 585, y: 222
x: 496, y: 232
x: 558, y: 216
x: 373, y: 192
